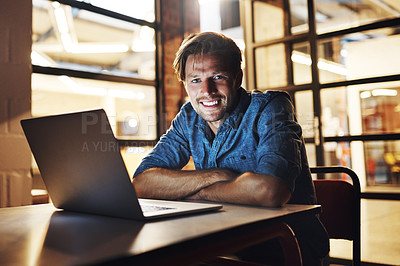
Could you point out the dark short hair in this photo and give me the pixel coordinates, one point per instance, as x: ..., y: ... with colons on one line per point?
x: 207, y: 43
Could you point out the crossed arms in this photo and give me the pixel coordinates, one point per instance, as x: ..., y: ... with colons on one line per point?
x: 220, y: 185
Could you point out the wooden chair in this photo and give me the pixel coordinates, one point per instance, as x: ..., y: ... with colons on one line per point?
x: 340, y: 201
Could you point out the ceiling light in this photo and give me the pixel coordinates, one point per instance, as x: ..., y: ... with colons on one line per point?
x: 301, y: 58
x: 384, y: 92
x: 365, y: 94
x: 61, y: 20
x: 323, y: 64
x: 77, y: 88
x: 332, y: 67
x: 41, y: 59
x: 97, y: 48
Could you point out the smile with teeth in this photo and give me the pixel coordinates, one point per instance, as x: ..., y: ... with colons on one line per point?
x: 210, y: 103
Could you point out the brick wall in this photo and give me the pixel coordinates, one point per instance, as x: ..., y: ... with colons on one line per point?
x: 178, y: 19
x: 15, y: 96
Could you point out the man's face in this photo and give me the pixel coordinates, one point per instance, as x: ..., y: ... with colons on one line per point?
x: 212, y: 87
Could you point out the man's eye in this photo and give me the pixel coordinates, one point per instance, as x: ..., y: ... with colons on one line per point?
x: 217, y: 77
x: 195, y: 80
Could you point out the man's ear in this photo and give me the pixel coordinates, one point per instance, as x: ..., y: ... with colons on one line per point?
x: 239, y: 79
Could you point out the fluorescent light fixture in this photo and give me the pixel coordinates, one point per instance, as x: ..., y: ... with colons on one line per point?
x: 332, y: 67
x: 40, y: 59
x: 98, y: 91
x: 61, y: 19
x: 301, y: 58
x: 56, y: 4
x: 139, y: 46
x: 378, y: 92
x: 305, y: 59
x: 69, y: 40
x: 63, y: 27
x: 98, y: 48
x: 365, y: 94
x: 384, y: 92
x: 82, y: 89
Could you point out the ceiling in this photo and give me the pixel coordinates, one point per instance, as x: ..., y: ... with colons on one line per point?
x: 92, y: 42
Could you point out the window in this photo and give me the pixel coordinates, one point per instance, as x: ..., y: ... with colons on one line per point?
x: 339, y: 61
x: 99, y: 54
x: 85, y: 55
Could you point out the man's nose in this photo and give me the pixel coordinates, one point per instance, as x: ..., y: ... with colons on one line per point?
x: 209, y: 86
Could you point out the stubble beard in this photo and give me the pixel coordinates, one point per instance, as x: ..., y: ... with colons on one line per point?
x: 213, y: 115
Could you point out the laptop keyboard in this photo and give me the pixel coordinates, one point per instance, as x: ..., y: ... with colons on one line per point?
x: 153, y: 208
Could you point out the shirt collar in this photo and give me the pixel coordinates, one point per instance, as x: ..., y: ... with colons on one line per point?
x: 237, y: 115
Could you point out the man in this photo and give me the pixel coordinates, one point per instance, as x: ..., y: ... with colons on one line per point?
x: 247, y: 148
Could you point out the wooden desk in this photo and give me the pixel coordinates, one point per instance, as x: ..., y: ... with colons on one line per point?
x: 41, y: 235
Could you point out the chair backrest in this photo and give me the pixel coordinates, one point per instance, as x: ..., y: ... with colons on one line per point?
x: 340, y: 201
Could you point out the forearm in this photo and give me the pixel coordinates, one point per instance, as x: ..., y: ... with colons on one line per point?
x: 163, y: 183
x: 248, y: 188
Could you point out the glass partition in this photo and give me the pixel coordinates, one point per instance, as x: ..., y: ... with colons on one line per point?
x: 338, y: 153
x: 271, y: 26
x: 270, y: 66
x: 371, y: 108
x: 299, y: 16
x: 380, y: 108
x: 301, y: 63
x: 310, y: 150
x: 305, y: 112
x: 382, y: 163
x: 365, y: 54
x: 356, y: 76
x: 130, y: 107
x: 334, y: 113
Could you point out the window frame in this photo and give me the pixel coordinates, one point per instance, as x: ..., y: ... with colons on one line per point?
x: 312, y: 38
x: 117, y: 78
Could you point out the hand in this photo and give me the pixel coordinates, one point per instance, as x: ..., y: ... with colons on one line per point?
x: 248, y: 188
x: 221, y: 175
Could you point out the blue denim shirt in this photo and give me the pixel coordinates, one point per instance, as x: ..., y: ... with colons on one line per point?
x: 262, y: 136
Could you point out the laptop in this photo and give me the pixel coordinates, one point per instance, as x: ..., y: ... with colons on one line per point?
x: 83, y: 170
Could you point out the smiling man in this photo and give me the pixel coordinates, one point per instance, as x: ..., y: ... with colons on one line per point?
x: 212, y: 87
x: 247, y: 147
